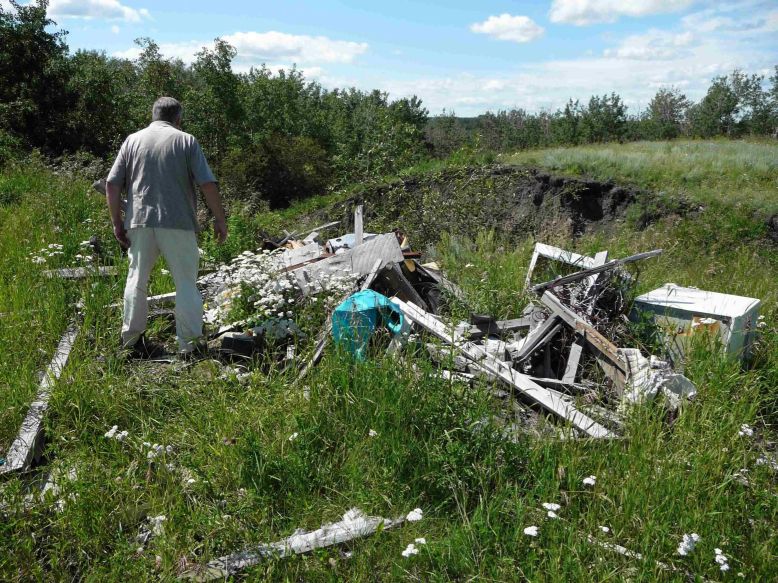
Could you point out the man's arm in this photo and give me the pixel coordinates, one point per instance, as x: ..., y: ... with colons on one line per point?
x: 113, y: 194
x: 214, y: 201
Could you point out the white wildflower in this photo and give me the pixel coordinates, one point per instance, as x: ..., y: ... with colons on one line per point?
x: 122, y: 436
x: 687, y: 544
x: 531, y: 531
x: 38, y: 260
x: 372, y: 433
x: 165, y: 271
x: 746, y: 431
x: 191, y: 481
x: 156, y: 524
x: 590, y: 481
x: 551, y: 506
x: 552, y: 514
x: 721, y: 560
x: 293, y: 436
x: 410, y: 550
x: 111, y: 432
x: 421, y: 541
x: 415, y: 515
x: 605, y: 529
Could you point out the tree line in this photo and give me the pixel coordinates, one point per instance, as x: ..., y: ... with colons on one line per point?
x: 274, y: 136
x: 735, y: 106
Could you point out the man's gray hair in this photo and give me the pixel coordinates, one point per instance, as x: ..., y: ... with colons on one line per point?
x: 166, y: 109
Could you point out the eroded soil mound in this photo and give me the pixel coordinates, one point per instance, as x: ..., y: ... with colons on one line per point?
x: 511, y: 200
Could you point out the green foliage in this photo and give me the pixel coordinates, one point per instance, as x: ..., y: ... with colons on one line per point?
x: 667, y: 112
x: 278, y: 170
x: 33, y: 76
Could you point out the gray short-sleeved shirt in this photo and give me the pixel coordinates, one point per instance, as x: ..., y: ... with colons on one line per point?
x: 159, y: 167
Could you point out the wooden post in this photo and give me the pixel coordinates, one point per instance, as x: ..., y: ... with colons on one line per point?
x: 358, y: 228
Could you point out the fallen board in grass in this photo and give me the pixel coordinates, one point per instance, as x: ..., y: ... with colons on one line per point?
x: 353, y: 525
x: 548, y: 399
x: 81, y: 272
x: 26, y: 447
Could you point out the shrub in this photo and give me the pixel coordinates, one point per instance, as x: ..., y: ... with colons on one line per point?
x: 279, y: 170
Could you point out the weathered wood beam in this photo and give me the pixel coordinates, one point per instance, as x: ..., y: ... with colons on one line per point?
x: 27, y: 445
x: 81, y: 272
x: 353, y: 525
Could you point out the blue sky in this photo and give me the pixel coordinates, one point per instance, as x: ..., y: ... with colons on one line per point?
x: 464, y: 56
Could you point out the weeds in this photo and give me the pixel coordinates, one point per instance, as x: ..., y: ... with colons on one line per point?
x: 252, y: 459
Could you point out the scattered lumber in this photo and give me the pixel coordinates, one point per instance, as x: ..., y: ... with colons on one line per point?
x: 499, y: 370
x: 26, y: 448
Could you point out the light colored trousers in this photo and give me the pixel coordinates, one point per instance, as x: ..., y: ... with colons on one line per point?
x: 179, y: 248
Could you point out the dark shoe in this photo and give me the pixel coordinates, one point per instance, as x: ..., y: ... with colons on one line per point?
x: 144, y: 349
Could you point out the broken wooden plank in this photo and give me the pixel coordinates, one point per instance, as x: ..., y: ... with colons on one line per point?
x: 26, y: 447
x: 538, y: 337
x: 522, y: 383
x: 371, y: 276
x: 586, y: 330
x: 579, y: 275
x: 556, y: 254
x: 358, y: 225
x: 401, y: 286
x: 81, y: 272
x: 576, y: 349
x: 498, y: 327
x: 573, y: 358
x: 353, y: 525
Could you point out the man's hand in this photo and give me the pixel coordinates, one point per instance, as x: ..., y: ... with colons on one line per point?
x: 220, y: 230
x: 121, y: 235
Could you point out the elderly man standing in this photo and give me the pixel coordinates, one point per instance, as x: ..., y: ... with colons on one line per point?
x: 159, y: 167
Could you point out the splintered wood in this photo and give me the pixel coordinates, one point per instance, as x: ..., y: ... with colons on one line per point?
x: 26, y: 447
x: 353, y: 525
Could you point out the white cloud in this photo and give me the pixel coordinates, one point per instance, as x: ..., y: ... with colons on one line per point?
x: 115, y: 29
x: 583, y: 12
x: 276, y: 49
x: 655, y: 44
x: 96, y: 9
x: 272, y: 45
x: 520, y: 29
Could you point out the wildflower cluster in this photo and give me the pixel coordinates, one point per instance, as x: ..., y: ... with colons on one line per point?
x: 114, y: 433
x: 156, y: 450
x: 687, y: 544
x: 255, y: 287
x: 48, y: 252
x: 721, y: 560
x: 412, y: 549
x: 87, y: 247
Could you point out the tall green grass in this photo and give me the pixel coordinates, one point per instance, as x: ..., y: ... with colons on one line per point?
x: 234, y: 477
x: 730, y: 171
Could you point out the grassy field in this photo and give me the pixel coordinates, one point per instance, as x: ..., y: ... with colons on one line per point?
x: 235, y: 476
x: 732, y: 172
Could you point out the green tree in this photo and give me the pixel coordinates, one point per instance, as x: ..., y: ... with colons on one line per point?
x: 34, y: 100
x: 667, y: 113
x: 215, y: 111
x: 716, y: 113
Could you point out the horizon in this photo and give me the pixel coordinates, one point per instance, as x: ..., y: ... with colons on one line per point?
x: 459, y: 58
